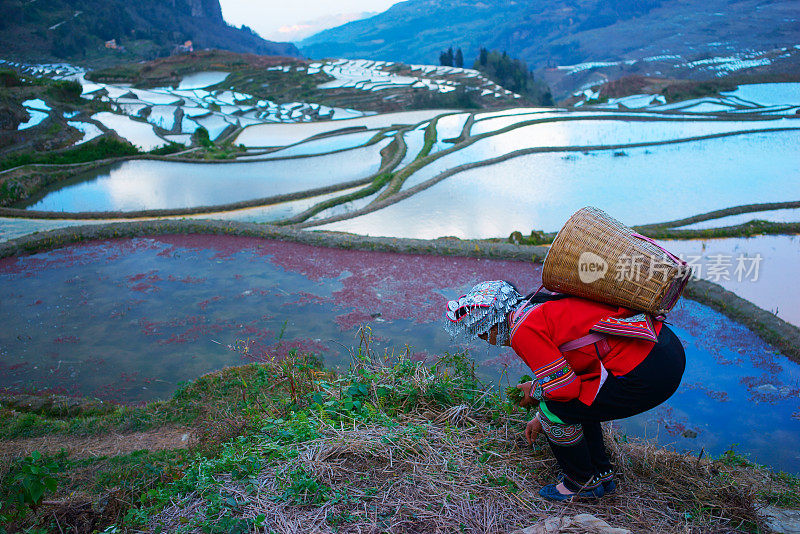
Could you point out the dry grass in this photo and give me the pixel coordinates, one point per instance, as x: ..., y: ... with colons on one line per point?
x: 448, y: 470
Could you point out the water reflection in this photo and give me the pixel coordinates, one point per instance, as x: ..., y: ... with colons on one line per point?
x: 755, y: 268
x: 198, y: 80
x: 637, y: 186
x: 145, y: 184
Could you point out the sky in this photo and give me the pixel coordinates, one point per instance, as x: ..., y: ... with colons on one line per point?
x: 293, y: 20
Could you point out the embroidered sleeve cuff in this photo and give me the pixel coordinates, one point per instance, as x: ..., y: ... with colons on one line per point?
x: 536, y: 391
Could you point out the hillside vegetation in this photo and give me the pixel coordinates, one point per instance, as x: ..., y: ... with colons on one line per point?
x: 78, y: 30
x: 514, y: 75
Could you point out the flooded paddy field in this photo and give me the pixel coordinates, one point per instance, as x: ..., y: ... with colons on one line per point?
x: 323, y: 145
x: 755, y: 268
x: 145, y: 184
x: 692, y: 175
x: 127, y: 320
x: 636, y: 185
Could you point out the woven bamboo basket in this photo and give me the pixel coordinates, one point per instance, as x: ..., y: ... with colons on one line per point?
x: 596, y: 257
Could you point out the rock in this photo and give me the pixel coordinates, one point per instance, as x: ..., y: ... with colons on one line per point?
x: 590, y: 523
x: 542, y: 527
x: 581, y: 522
x: 553, y: 524
x: 766, y: 389
x: 780, y: 520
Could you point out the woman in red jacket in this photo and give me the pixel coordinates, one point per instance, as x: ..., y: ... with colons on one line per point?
x: 592, y: 362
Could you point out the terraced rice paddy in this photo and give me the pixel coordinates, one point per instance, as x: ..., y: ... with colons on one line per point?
x: 275, y: 135
x: 750, y: 268
x: 780, y: 215
x: 89, y: 130
x: 541, y: 190
x: 37, y: 110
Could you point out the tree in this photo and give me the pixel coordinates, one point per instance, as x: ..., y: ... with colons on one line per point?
x: 513, y: 74
x: 459, y: 59
x: 66, y: 90
x: 446, y: 58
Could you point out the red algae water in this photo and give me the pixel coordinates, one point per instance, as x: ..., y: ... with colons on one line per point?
x: 127, y: 320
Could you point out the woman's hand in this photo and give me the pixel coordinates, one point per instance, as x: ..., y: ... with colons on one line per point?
x: 527, y: 400
x: 532, y: 429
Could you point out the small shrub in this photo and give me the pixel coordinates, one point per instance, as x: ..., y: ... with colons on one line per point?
x: 67, y: 90
x: 300, y: 487
x: 202, y: 138
x: 171, y: 148
x: 9, y: 78
x: 10, y: 190
x: 29, y: 479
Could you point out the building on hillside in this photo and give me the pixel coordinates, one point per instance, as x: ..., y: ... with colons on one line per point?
x: 184, y: 48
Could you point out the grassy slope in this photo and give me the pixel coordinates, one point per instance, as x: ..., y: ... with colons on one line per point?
x: 389, y: 444
x: 170, y: 70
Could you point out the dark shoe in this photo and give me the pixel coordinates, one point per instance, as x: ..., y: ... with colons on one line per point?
x: 607, y: 478
x: 550, y: 493
x: 609, y: 486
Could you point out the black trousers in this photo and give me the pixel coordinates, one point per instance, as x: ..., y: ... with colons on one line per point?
x: 585, y: 462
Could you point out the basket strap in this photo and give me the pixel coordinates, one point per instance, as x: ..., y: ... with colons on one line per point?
x: 662, y: 249
x: 581, y: 342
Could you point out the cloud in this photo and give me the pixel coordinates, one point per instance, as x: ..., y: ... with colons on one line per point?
x: 295, y: 28
x: 301, y: 30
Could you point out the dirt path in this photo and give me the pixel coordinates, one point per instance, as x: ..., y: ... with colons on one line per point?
x: 93, y: 446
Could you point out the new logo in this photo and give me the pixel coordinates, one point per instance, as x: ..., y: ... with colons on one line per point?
x: 591, y: 267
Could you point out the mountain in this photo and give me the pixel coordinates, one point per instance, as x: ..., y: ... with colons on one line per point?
x: 83, y: 30
x: 565, y: 32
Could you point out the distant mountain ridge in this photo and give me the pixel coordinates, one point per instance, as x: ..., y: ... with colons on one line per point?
x: 79, y: 29
x: 564, y: 32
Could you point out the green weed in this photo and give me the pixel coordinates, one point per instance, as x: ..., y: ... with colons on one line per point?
x: 30, y: 478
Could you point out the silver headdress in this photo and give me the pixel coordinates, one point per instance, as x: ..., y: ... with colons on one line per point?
x: 486, y: 305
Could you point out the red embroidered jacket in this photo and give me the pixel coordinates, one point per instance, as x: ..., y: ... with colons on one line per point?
x: 537, y: 332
